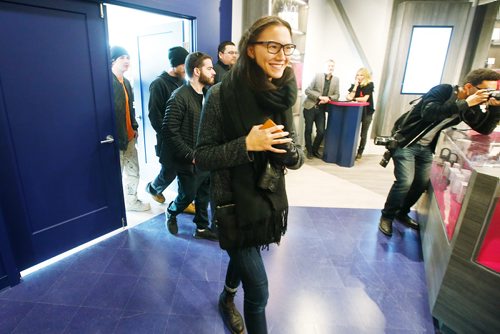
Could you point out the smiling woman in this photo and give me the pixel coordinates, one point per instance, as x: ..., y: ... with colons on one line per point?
x: 240, y: 153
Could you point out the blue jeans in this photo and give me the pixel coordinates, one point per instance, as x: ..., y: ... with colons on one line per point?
x: 412, y: 166
x: 314, y: 115
x: 192, y: 187
x: 246, y: 266
x: 162, y: 181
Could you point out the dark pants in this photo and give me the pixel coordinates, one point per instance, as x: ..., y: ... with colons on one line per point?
x: 192, y: 187
x: 246, y: 266
x: 366, y: 120
x: 316, y: 116
x: 412, y: 166
x: 162, y: 181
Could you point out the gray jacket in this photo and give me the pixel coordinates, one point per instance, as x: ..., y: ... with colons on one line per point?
x: 315, y: 90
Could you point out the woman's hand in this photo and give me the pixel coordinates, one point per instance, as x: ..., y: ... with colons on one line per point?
x: 262, y: 139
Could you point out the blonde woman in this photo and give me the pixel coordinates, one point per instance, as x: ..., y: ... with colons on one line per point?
x: 362, y: 91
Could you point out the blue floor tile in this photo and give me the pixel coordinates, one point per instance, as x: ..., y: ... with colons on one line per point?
x: 153, y: 295
x: 135, y: 322
x: 71, y: 288
x: 111, y: 291
x: 333, y: 272
x: 92, y: 320
x: 11, y: 313
x: 192, y: 325
x: 46, y: 318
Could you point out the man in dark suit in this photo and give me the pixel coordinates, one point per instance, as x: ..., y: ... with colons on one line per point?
x: 323, y: 88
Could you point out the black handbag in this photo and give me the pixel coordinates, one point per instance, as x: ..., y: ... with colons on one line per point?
x: 270, y: 177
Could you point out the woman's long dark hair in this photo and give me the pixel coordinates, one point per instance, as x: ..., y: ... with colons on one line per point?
x: 247, y: 69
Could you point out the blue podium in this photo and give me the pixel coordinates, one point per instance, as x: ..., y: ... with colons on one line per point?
x: 342, y: 132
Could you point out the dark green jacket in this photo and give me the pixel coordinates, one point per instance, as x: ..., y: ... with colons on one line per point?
x: 120, y: 117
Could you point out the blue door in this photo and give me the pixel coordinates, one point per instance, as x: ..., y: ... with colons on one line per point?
x: 60, y: 178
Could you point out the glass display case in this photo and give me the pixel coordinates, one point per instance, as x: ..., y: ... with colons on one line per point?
x: 459, y: 220
x: 489, y: 250
x: 458, y: 153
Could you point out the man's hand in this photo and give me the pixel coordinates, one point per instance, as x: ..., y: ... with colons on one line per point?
x: 479, y: 97
x: 494, y: 102
x: 323, y: 99
x: 262, y: 139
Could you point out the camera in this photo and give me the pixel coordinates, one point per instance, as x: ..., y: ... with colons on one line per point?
x: 387, y: 141
x: 493, y: 93
x: 385, y: 159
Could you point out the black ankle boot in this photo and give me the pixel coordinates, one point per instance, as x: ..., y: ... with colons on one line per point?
x: 232, y: 318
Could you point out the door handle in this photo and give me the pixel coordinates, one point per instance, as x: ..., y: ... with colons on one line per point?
x: 109, y: 139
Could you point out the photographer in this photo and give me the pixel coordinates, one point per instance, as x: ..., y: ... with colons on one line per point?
x: 417, y: 133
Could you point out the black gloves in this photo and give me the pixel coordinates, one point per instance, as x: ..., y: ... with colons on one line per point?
x: 290, y: 158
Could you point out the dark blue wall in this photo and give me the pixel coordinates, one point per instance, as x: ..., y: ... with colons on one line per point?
x: 9, y: 275
x: 208, y: 31
x: 226, y: 18
x: 207, y: 14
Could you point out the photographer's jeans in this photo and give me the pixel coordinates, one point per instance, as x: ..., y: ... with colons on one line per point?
x: 245, y: 265
x: 412, y: 166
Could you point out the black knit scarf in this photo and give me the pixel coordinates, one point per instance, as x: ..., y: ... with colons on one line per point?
x: 262, y: 214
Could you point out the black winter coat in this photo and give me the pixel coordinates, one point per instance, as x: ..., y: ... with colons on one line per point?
x: 160, y: 91
x: 180, y: 128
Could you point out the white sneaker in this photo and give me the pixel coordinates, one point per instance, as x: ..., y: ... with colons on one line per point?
x: 138, y: 206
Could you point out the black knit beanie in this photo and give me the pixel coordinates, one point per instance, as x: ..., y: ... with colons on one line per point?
x: 116, y: 52
x: 177, y: 56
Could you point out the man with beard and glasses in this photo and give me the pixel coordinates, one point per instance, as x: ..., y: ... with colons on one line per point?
x: 179, y: 131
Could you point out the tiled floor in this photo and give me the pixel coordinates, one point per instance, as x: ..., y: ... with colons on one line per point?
x: 333, y: 273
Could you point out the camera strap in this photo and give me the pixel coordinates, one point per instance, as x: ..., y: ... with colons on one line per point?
x: 412, y: 102
x: 420, y: 135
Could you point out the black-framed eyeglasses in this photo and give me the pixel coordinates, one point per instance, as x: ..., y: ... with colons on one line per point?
x: 275, y: 47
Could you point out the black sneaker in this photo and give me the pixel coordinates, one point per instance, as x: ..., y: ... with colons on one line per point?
x: 359, y: 156
x: 206, y: 233
x: 408, y: 221
x: 385, y: 226
x: 318, y: 155
x: 309, y: 155
x: 171, y: 223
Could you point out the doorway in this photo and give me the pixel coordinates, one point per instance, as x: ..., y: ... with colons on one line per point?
x: 147, y: 36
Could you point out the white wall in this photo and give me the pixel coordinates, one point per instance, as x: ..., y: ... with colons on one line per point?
x: 236, y: 24
x: 327, y: 37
